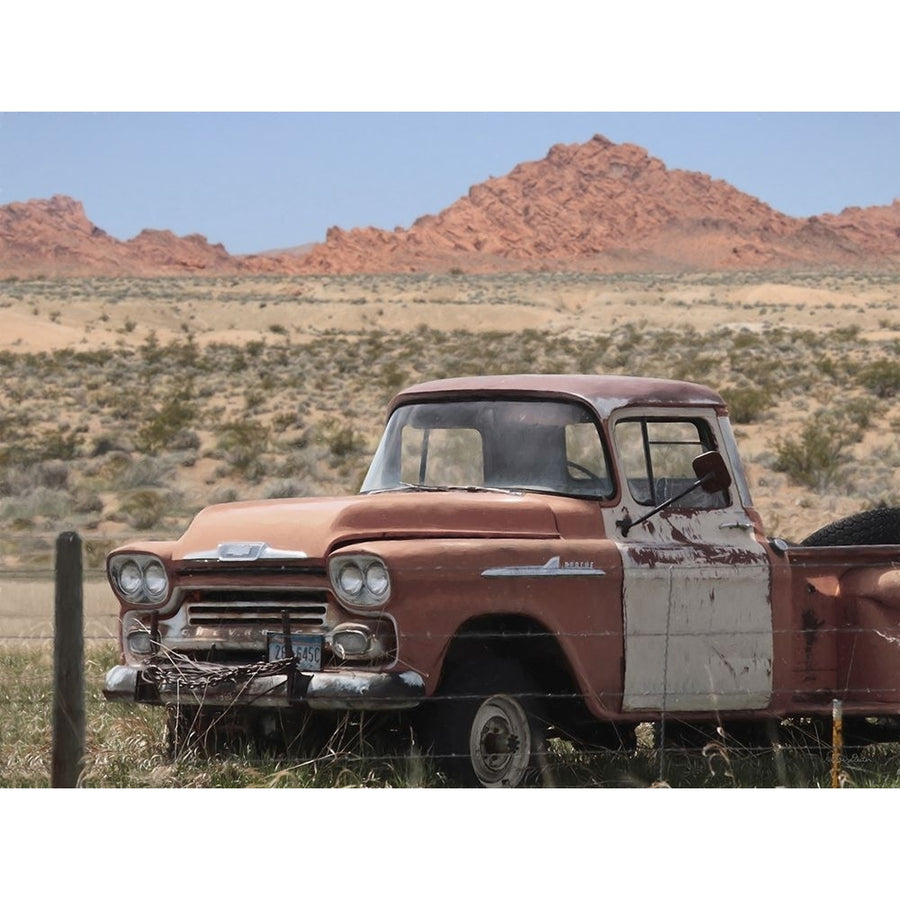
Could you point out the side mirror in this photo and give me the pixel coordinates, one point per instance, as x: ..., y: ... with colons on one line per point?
x: 711, y: 471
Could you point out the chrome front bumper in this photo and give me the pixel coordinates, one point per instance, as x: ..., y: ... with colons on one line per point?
x: 318, y: 690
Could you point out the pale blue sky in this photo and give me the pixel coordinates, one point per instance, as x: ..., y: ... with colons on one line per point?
x: 258, y: 181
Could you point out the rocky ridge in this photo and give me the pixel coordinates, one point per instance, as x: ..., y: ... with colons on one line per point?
x: 54, y: 238
x: 596, y: 206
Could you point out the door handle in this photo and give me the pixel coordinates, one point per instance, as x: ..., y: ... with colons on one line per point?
x: 747, y: 526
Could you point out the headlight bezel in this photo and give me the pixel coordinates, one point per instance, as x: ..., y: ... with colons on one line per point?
x: 374, y: 580
x: 139, y: 580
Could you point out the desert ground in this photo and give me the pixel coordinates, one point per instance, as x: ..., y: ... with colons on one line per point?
x: 129, y: 404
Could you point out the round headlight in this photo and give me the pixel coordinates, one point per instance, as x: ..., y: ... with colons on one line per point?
x: 156, y: 580
x: 350, y: 579
x: 377, y: 579
x: 139, y: 579
x: 361, y: 580
x: 131, y: 581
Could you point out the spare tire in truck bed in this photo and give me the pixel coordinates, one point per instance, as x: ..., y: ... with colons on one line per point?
x: 873, y: 526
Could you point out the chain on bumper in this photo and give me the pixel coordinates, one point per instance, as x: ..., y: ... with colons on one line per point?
x: 175, y: 670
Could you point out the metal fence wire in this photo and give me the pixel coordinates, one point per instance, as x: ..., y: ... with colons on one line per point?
x: 668, y: 743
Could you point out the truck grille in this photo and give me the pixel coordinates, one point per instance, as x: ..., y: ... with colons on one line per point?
x: 256, y: 608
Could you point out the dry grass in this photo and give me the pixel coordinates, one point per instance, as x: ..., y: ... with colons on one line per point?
x: 126, y: 748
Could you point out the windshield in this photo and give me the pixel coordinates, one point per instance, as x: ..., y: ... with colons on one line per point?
x: 547, y: 445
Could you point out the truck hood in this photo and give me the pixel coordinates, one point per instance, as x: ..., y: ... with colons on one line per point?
x: 311, y: 527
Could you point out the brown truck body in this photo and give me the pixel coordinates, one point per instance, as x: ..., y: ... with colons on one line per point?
x: 546, y: 526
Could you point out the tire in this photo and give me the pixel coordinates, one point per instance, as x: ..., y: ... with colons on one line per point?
x: 873, y: 526
x: 485, y: 728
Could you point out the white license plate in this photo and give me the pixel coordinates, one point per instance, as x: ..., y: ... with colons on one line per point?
x: 307, y: 650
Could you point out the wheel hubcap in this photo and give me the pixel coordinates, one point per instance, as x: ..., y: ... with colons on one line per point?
x: 500, y: 742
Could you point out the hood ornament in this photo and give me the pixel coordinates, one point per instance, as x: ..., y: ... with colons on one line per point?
x: 244, y: 551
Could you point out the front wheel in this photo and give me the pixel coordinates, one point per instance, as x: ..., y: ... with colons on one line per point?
x: 503, y: 744
x: 486, y: 728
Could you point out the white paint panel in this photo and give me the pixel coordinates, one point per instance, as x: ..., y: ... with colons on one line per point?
x: 698, y: 637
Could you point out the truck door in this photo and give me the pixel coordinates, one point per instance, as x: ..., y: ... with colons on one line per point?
x: 697, y: 610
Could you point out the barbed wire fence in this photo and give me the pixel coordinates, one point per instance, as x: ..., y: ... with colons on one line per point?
x: 69, y: 713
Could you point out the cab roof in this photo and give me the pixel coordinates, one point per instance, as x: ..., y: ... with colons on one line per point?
x: 604, y: 392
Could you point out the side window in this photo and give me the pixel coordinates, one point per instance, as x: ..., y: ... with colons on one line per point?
x: 657, y: 457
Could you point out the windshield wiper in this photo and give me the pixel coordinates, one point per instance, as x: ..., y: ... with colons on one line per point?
x: 480, y: 488
x: 468, y: 488
x: 445, y: 488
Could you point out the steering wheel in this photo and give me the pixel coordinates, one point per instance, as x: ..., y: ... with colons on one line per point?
x: 571, y: 464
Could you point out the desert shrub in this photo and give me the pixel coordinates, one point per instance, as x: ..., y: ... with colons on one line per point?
x: 860, y: 412
x: 342, y: 440
x: 747, y: 404
x: 87, y: 501
x: 847, y: 334
x: 95, y: 550
x: 139, y: 472
x: 747, y: 340
x: 103, y: 444
x: 52, y: 474
x: 185, y: 439
x: 815, y: 457
x: 224, y: 495
x: 285, y: 487
x: 144, y: 508
x: 882, y: 377
x: 393, y: 377
x: 242, y: 444
x: 47, y: 502
x: 151, y: 350
x: 60, y: 444
x: 170, y: 420
x: 109, y: 467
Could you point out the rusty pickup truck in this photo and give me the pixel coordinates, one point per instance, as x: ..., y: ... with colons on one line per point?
x: 528, y: 555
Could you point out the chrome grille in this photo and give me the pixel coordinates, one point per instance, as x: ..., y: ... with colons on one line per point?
x: 255, y: 608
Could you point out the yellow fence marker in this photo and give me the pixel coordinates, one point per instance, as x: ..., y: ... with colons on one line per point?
x: 837, y: 741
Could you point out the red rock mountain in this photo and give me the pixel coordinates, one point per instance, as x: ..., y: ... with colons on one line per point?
x: 54, y: 238
x: 596, y: 206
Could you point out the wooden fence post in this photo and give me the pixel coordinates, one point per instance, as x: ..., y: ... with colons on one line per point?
x: 68, y: 664
x: 837, y: 741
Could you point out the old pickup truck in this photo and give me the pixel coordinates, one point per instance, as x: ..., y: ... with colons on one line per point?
x: 528, y: 555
